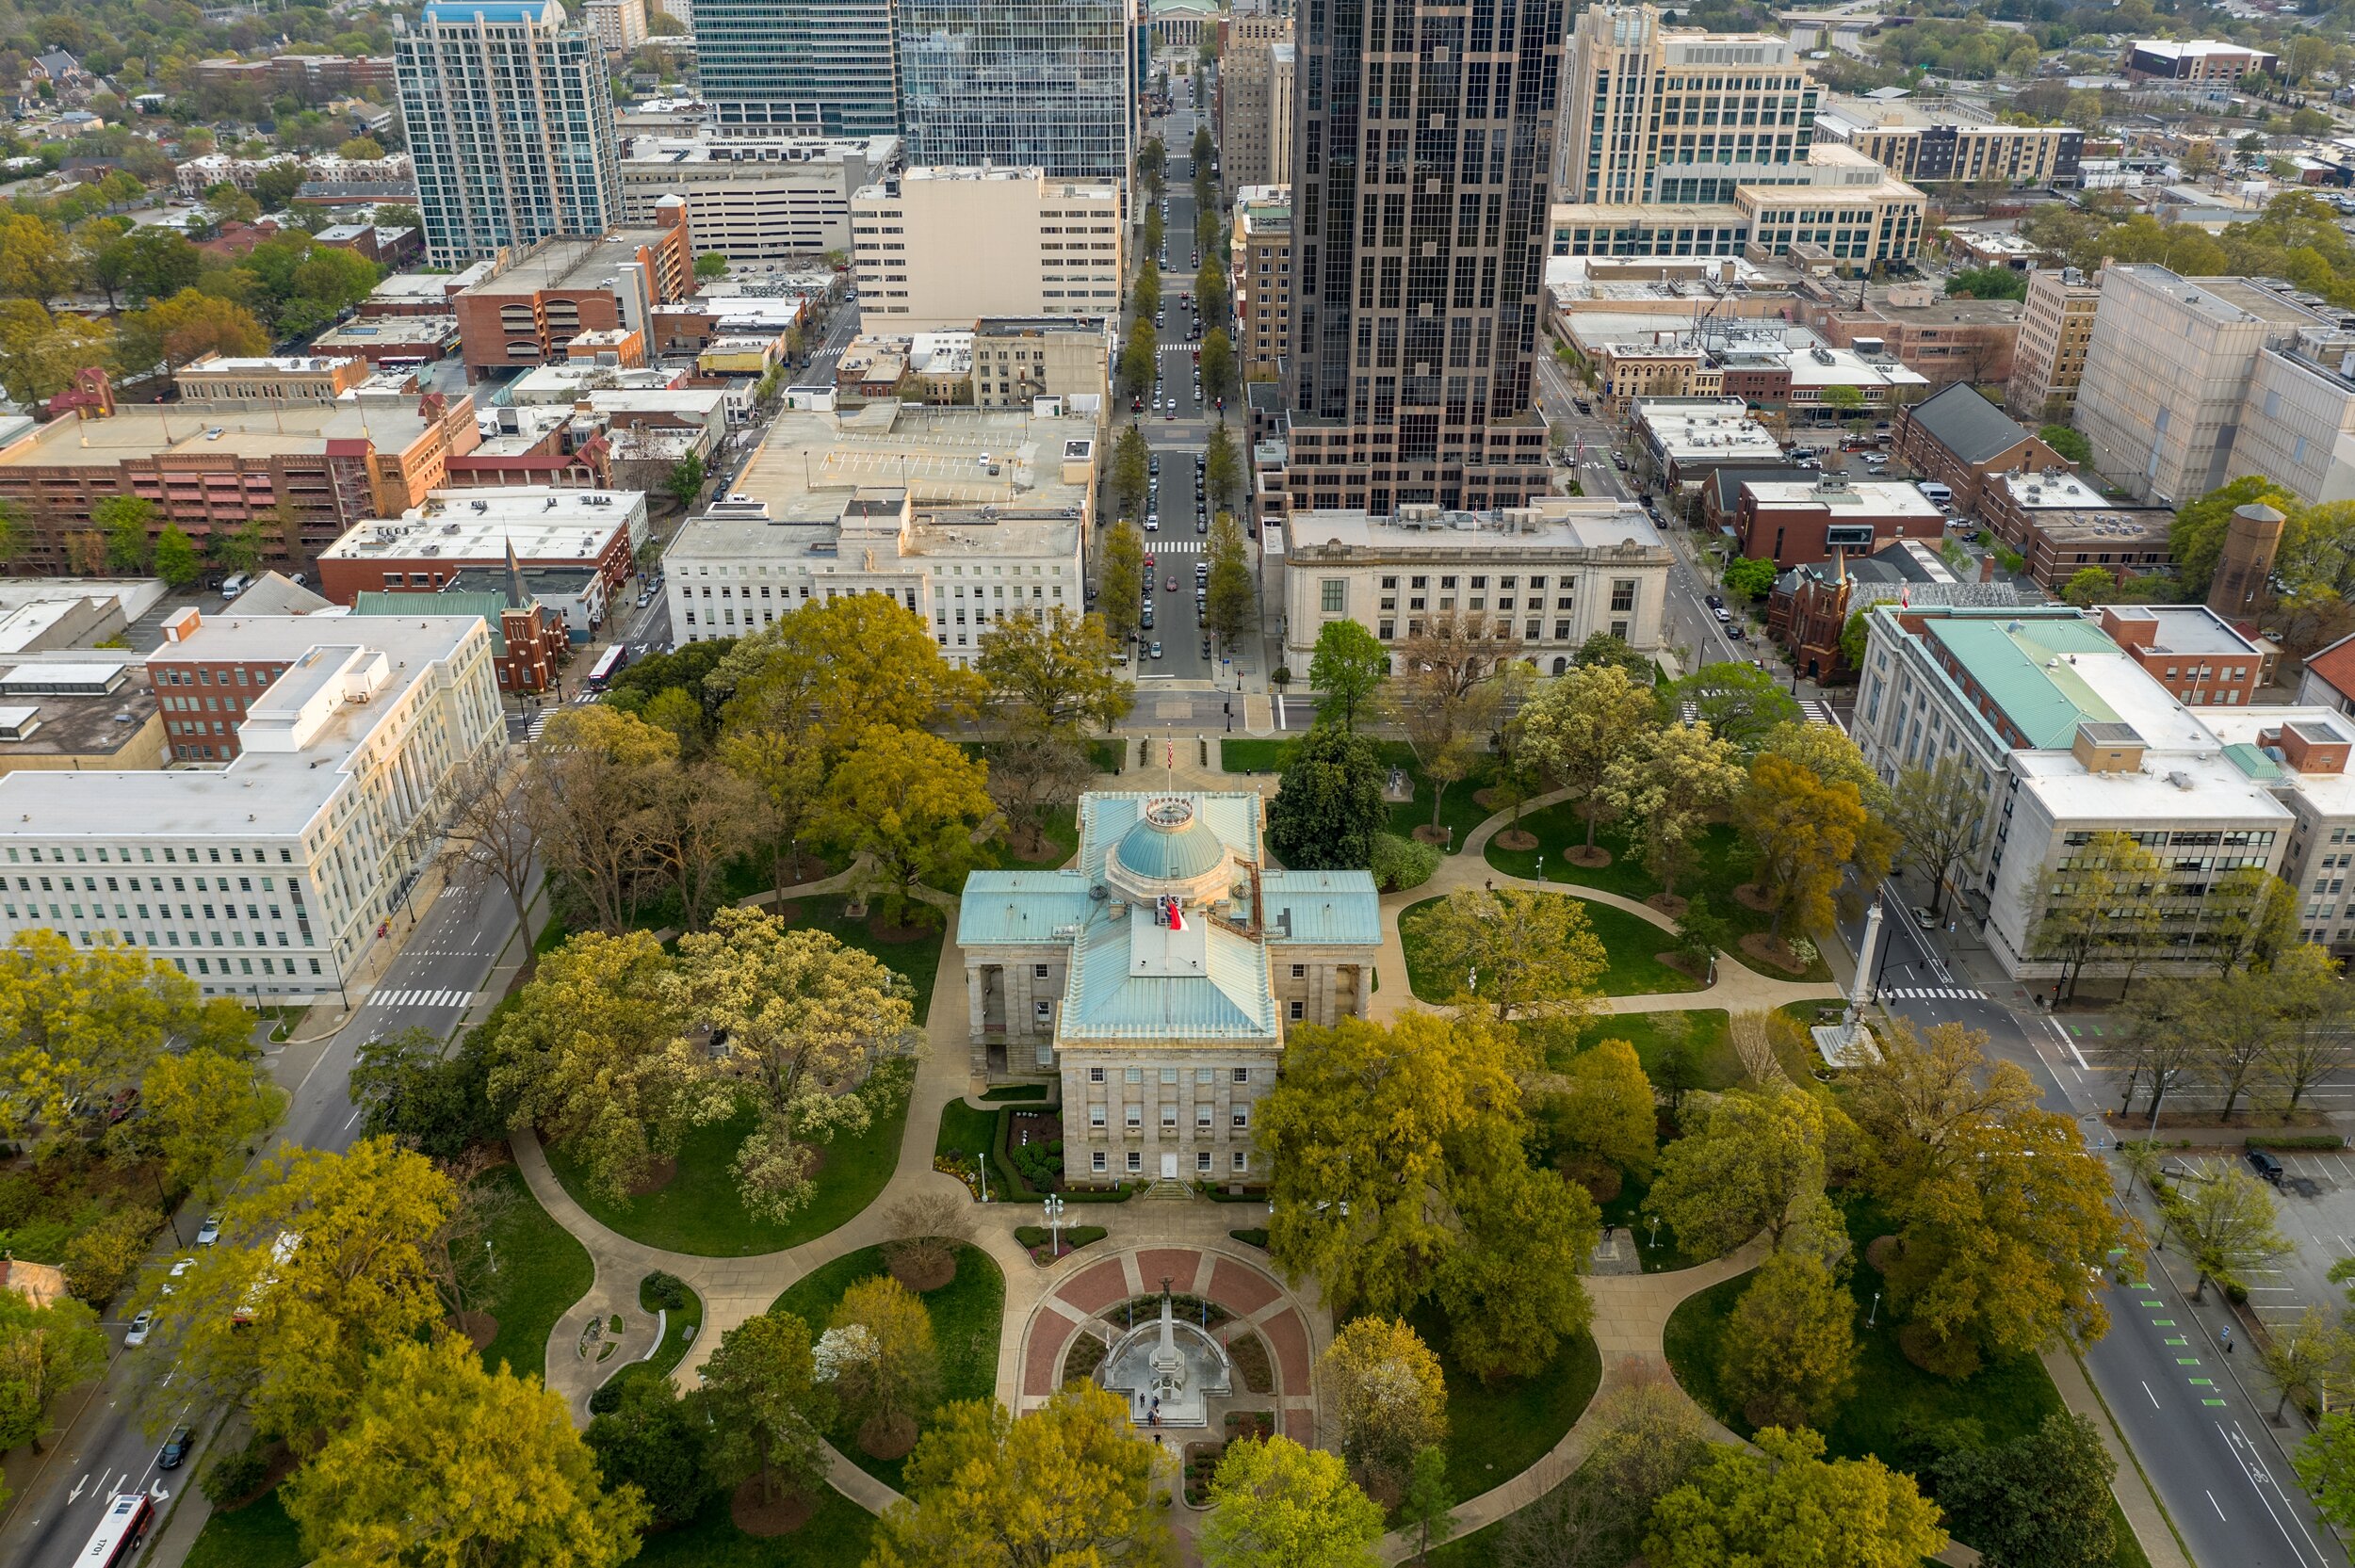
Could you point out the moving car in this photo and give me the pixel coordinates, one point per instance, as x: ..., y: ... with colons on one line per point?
x: 209, y: 1232
x: 136, y: 1336
x: 1924, y: 919
x: 1171, y: 586
x: 1157, y: 651
x: 176, y: 1450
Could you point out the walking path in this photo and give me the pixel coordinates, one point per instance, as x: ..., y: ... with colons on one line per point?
x: 1042, y: 1306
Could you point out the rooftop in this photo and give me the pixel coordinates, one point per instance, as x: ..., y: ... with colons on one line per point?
x: 1551, y: 524
x: 67, y: 710
x: 541, y: 523
x: 1712, y: 427
x: 2051, y: 672
x: 569, y: 262
x: 383, y: 662
x: 809, y: 462
x: 149, y: 429
x: 683, y: 151
x: 930, y: 174
x: 1880, y: 497
x: 2240, y: 727
x: 1967, y: 425
x: 2187, y: 629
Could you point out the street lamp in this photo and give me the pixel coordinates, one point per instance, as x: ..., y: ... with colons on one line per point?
x: 1053, y: 1208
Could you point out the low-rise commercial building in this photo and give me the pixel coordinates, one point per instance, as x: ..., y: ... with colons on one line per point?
x: 1015, y: 359
x: 1944, y: 141
x: 962, y: 516
x: 267, y: 381
x: 2199, y: 59
x: 2060, y: 525
x: 1259, y: 270
x: 1550, y: 574
x: 2055, y: 329
x: 548, y: 294
x: 428, y: 547
x: 1794, y: 522
x: 1684, y: 440
x: 937, y: 248
x: 756, y: 200
x: 1943, y: 339
x: 1958, y: 439
x: 2071, y: 737
x: 277, y: 877
x: 64, y: 714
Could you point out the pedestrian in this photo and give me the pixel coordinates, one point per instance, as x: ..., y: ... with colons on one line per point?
x: 2228, y: 1340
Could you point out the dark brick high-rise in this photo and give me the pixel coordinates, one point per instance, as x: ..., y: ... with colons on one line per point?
x: 1423, y: 146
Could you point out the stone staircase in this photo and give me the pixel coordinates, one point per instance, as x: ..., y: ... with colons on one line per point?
x: 1169, y: 1189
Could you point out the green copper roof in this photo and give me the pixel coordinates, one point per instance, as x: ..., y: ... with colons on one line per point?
x: 2023, y: 664
x: 1169, y: 842
x: 2253, y: 762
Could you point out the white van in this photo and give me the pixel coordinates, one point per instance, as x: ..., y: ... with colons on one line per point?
x: 1933, y: 491
x: 238, y: 583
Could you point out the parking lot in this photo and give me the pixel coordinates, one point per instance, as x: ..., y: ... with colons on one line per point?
x: 2318, y: 1212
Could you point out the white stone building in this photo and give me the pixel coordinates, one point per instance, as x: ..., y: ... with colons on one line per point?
x: 1157, y: 978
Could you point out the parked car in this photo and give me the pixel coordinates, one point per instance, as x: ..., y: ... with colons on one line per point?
x: 136, y: 1336
x: 2266, y: 1167
x: 1157, y: 651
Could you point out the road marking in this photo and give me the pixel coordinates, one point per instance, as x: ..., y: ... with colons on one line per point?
x: 2201, y: 1383
x: 2153, y: 1397
x: 75, y: 1496
x: 2071, y: 1044
x: 2187, y: 1361
x: 354, y: 1116
x: 2162, y: 1323
x: 2213, y: 1504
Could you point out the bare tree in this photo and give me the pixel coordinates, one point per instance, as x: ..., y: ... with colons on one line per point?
x: 1938, y: 812
x: 1754, y: 1043
x: 488, y: 837
x: 590, y: 787
x: 1445, y: 695
x: 925, y: 1232
x: 1031, y: 776
x: 704, y: 816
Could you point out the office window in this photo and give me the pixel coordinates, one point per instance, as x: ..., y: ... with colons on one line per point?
x: 1243, y: 1161
x: 1202, y: 1161
x: 1133, y: 1116
x: 1336, y: 594
x: 1241, y: 1116
x: 1096, y: 1116
x: 1096, y: 1075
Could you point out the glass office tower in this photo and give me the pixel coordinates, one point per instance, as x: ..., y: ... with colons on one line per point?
x: 510, y: 127
x: 801, y: 67
x: 1019, y: 82
x: 1422, y: 153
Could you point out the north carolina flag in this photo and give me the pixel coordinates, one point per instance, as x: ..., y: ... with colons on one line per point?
x: 1176, y: 918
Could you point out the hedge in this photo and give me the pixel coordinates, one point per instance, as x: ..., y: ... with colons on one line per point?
x: 2293, y: 1141
x: 1074, y: 1237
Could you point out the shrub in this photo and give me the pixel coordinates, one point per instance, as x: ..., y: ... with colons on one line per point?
x: 2293, y: 1141
x: 231, y: 1477
x: 1041, y: 1164
x: 663, y: 1292
x: 607, y: 1398
x: 1399, y: 863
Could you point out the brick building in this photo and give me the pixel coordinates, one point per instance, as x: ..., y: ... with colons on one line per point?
x: 550, y: 292
x: 527, y: 639
x: 2061, y: 525
x: 1946, y: 340
x: 428, y: 545
x: 1798, y: 522
x: 1961, y: 440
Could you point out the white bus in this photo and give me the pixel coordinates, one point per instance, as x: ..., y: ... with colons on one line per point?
x: 119, y: 1532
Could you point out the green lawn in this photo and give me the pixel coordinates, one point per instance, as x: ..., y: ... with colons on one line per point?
x: 966, y: 1315
x: 1495, y: 1432
x: 700, y: 1211
x: 1895, y: 1400
x: 837, y: 1536
x: 1459, y: 810
x: 1724, y: 864
x: 1707, y: 1046
x: 1628, y: 939
x: 918, y: 960
x: 532, y: 1273
x: 258, y: 1535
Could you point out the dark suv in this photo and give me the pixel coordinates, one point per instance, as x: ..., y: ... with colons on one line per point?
x: 2265, y: 1165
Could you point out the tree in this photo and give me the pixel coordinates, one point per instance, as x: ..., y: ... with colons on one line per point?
x: 1329, y: 809
x: 1033, y: 777
x: 1121, y: 581
x: 2101, y: 897
x: 1649, y: 1437
x: 841, y: 667
x: 2004, y: 1217
x: 82, y: 1024
x: 654, y: 1441
x: 2228, y: 1226
x: 1751, y: 578
x: 1231, y: 605
x: 2041, y: 1500
x: 685, y: 481
x: 2326, y: 1465
x: 1602, y: 648
x: 288, y: 1328
x: 769, y: 1408
x: 1139, y: 357
x: 1785, y: 1504
x: 175, y: 558
x: 916, y: 804
x: 447, y: 1465
x: 169, y: 333
x: 1750, y: 1160
x: 814, y: 1029
x: 1580, y: 724
x: 880, y: 1356
x: 1937, y: 812
x: 1521, y: 954
x: 1218, y: 361
x: 2310, y: 1005
x: 1274, y: 1504
x: 583, y: 1052
x: 1064, y: 1483
x: 1601, y: 1109
x: 486, y: 837
x: 1789, y: 1353
x: 1669, y: 785
x: 1130, y: 476
x: 1347, y: 671
x: 124, y: 520
x: 2068, y: 443
x: 1446, y: 694
x: 1805, y: 833
x: 101, y: 1259
x: 1510, y: 1287
x: 1427, y: 1509
x: 925, y: 1231
x: 711, y: 264
x: 203, y: 1109
x: 44, y: 1351
x: 36, y: 258
x: 1148, y: 290
x: 591, y: 788
x: 438, y: 1104
x: 1845, y: 401
x: 1222, y: 470
x: 40, y: 356
x: 148, y: 263
x: 238, y: 548
x: 1386, y: 1395
x: 703, y: 815
x: 2248, y: 918
x: 1739, y: 701
x: 2196, y: 538
x: 1053, y: 671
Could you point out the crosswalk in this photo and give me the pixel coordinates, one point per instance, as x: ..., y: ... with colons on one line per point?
x: 1183, y: 346
x: 416, y: 999
x: 1154, y: 545
x: 539, y: 722
x: 1933, y: 993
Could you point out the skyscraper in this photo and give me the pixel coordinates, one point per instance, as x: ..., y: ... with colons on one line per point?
x: 803, y: 67
x: 510, y: 127
x: 1422, y: 157
x: 1043, y: 83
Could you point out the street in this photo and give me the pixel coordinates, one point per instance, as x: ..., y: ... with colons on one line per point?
x: 2207, y: 1444
x: 430, y: 985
